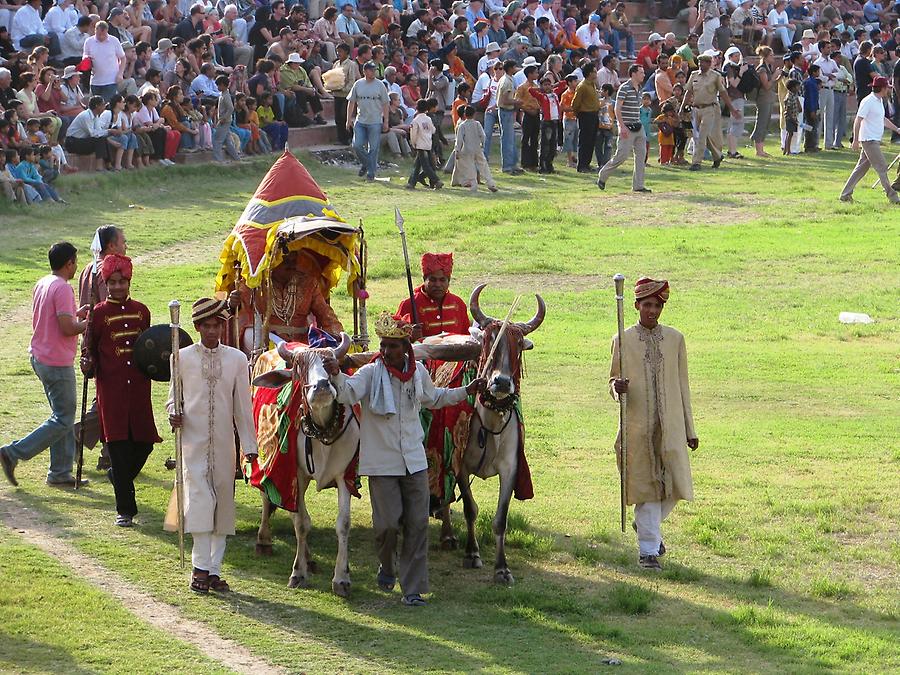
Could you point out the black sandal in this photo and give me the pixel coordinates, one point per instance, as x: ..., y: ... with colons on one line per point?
x: 200, y: 581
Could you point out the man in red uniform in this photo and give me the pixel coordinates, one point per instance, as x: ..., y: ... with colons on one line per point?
x: 108, y: 239
x: 446, y: 429
x: 123, y: 391
x: 438, y: 310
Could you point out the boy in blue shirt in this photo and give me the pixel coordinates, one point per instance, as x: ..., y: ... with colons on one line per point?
x: 26, y: 169
x: 811, y: 108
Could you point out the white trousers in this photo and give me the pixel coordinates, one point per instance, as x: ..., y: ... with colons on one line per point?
x: 648, y: 517
x: 208, y: 551
x: 709, y: 30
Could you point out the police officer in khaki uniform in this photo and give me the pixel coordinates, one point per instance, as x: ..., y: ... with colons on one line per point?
x: 704, y: 87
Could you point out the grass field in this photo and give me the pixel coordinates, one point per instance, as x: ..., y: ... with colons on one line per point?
x: 787, y: 561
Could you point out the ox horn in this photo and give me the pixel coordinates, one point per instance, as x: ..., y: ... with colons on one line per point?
x: 482, y: 319
x: 285, y: 353
x: 341, y: 350
x: 535, y: 322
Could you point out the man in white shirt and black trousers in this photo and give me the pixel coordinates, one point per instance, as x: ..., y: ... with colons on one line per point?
x: 391, y: 390
x: 868, y: 128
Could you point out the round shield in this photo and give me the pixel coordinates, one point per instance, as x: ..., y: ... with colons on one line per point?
x: 153, y: 348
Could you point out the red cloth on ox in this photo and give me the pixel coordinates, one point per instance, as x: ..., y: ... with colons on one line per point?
x: 524, y: 488
x: 276, y: 476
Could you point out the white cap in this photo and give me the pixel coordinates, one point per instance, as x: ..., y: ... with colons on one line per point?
x: 711, y: 52
x: 492, y: 47
x: 655, y: 37
x: 294, y: 57
x: 530, y: 61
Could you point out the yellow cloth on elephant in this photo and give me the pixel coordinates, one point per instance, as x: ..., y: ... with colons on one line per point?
x: 659, y: 420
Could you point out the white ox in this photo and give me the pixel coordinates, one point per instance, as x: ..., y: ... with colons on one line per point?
x: 326, y: 443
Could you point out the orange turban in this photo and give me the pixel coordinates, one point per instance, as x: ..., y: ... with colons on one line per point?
x: 115, y: 263
x: 647, y: 288
x: 432, y: 262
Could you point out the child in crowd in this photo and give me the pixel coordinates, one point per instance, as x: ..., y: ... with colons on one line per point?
x: 33, y: 132
x: 684, y: 130
x: 605, y: 120
x: 646, y: 115
x: 550, y: 114
x: 48, y: 165
x: 463, y: 91
x: 811, y: 86
x: 570, y: 122
x: 26, y: 168
x: 242, y: 120
x: 196, y: 118
x: 470, y: 161
x: 437, y: 138
x: 421, y: 137
x: 222, y: 140
x: 397, y: 136
x: 262, y: 140
x: 791, y: 115
x: 13, y: 188
x: 666, y: 122
x: 277, y: 130
x: 46, y: 127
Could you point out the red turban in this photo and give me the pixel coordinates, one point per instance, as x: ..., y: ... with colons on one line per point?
x: 432, y: 262
x: 647, y: 288
x: 115, y: 263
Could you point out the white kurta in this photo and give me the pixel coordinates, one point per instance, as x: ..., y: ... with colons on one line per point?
x: 392, y: 445
x: 216, y: 393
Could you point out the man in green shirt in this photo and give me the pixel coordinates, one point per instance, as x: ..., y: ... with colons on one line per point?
x: 300, y: 95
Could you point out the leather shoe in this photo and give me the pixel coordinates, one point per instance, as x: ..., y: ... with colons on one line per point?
x: 67, y: 482
x: 694, y: 167
x: 9, y: 468
x: 643, y: 189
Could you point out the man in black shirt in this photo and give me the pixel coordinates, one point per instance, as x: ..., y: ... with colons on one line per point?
x: 863, y: 72
x: 191, y: 26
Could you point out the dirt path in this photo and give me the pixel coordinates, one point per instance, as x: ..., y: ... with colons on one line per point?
x: 29, y: 525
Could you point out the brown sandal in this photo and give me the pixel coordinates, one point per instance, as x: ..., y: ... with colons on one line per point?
x: 218, y: 584
x: 200, y: 581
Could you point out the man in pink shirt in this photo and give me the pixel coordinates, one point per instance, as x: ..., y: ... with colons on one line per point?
x: 56, y: 325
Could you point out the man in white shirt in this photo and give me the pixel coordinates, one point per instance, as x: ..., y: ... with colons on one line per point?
x: 491, y: 53
x: 60, y: 18
x: 589, y: 34
x: 828, y: 74
x: 546, y: 9
x: 107, y: 61
x: 28, y: 30
x: 609, y: 73
x: 868, y: 128
x: 391, y: 391
x: 71, y: 44
x: 204, y: 85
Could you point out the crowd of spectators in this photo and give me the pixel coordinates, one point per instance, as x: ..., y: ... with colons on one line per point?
x: 133, y: 84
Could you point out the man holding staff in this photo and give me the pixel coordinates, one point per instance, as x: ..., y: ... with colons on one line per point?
x: 659, y: 419
x: 215, y: 389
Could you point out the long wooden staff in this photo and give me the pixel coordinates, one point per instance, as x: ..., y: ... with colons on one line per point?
x: 175, y: 315
x: 500, y: 334
x: 85, y: 345
x: 619, y: 280
x: 362, y: 294
x: 398, y: 221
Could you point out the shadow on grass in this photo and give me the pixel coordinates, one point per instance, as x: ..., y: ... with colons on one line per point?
x: 41, y: 657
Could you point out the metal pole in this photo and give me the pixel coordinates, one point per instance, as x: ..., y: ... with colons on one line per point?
x: 619, y: 280
x: 398, y: 220
x: 174, y: 315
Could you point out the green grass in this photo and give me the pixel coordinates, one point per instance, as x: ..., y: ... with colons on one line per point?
x: 786, y: 562
x: 55, y: 623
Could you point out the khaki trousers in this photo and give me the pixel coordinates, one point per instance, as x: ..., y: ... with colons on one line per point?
x: 709, y: 121
x: 400, y: 503
x: 634, y: 143
x: 870, y: 157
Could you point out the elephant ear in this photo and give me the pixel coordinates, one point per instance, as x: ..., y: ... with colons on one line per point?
x: 274, y: 379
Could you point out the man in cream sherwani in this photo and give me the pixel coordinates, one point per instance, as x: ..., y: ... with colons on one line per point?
x: 391, y: 390
x: 215, y: 385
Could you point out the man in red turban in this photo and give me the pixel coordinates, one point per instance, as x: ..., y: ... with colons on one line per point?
x: 123, y: 391
x: 660, y: 424
x: 446, y: 429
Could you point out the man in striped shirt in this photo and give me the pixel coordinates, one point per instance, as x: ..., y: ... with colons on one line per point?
x: 631, y: 136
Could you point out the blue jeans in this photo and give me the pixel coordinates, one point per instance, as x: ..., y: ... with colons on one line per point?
x: 617, y: 41
x: 491, y: 120
x: 366, y: 143
x: 58, y: 432
x: 104, y: 91
x: 509, y: 152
